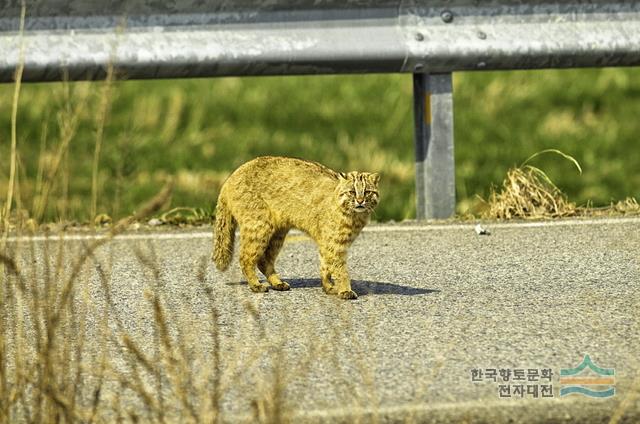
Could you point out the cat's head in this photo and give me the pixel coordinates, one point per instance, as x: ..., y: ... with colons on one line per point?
x: 358, y: 191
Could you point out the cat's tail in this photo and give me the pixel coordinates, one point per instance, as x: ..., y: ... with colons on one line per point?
x: 224, y: 236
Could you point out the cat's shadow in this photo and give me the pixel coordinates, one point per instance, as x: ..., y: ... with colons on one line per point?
x: 362, y: 287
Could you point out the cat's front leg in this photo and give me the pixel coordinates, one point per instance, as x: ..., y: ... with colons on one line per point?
x: 343, y: 283
x: 325, y: 275
x: 336, y: 262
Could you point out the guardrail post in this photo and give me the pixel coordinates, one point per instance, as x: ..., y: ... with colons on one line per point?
x: 435, y: 167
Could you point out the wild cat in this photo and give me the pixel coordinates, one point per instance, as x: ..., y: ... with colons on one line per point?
x: 269, y: 195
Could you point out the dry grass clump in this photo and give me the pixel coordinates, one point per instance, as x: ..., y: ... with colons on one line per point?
x: 527, y: 192
x: 51, y: 373
x: 42, y: 361
x: 628, y: 206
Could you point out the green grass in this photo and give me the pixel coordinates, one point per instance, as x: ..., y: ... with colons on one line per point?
x: 199, y: 130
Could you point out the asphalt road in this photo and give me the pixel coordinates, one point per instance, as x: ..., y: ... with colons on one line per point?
x: 436, y: 302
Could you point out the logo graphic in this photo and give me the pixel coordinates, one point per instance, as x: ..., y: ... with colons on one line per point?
x: 571, y: 382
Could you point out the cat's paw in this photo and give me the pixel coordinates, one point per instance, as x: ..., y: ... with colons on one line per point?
x: 280, y: 286
x: 259, y: 288
x: 347, y: 294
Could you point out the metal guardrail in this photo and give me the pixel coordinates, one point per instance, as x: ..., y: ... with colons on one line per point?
x: 78, y: 39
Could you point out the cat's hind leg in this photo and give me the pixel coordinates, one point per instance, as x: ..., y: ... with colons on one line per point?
x: 254, y: 239
x: 266, y: 264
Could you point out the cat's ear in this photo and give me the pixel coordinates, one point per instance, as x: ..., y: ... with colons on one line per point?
x: 374, y: 178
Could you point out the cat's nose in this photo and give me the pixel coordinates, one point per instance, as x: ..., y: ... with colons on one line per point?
x: 360, y: 200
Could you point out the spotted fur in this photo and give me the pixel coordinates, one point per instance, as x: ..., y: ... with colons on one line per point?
x: 268, y: 196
